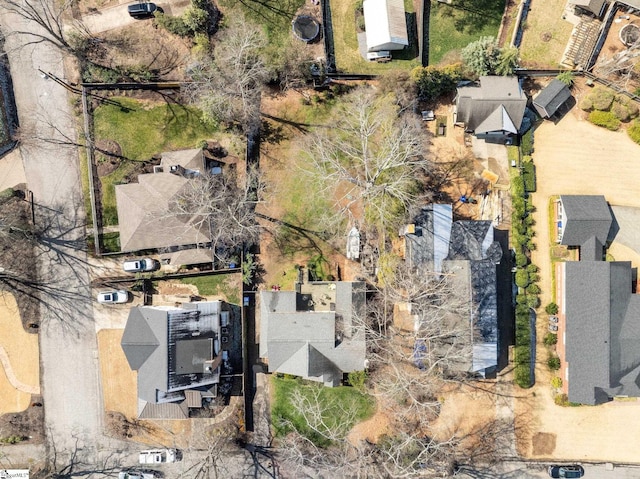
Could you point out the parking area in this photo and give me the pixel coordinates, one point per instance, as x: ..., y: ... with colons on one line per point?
x: 576, y: 157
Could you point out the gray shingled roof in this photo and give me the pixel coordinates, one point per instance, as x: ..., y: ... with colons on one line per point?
x: 498, y: 103
x: 551, y: 98
x: 471, y: 242
x: 602, y: 330
x: 593, y: 6
x: 305, y: 343
x: 160, y: 344
x: 585, y: 216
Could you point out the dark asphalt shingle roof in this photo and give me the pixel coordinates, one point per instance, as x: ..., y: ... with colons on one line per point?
x: 495, y: 97
x: 602, y: 330
x: 551, y: 98
x: 585, y: 216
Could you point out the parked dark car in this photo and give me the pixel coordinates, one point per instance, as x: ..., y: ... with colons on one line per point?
x: 142, y: 9
x: 567, y: 472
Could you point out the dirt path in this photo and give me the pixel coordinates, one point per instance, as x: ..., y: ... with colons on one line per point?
x: 575, y: 157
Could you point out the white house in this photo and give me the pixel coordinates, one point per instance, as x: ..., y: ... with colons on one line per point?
x: 385, y: 24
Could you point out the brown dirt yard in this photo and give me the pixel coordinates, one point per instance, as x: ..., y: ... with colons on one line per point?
x: 576, y: 157
x: 20, y: 350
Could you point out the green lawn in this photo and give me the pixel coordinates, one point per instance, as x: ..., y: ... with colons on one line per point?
x: 144, y: 130
x: 452, y: 28
x: 348, y: 58
x: 333, y: 398
x: 545, y: 35
x: 219, y: 284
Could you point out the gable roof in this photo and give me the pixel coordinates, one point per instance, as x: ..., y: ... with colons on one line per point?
x: 602, y: 330
x: 440, y: 244
x: 386, y: 27
x: 593, y: 6
x: 496, y: 104
x: 143, y: 219
x: 585, y: 216
x: 315, y: 344
x: 551, y: 98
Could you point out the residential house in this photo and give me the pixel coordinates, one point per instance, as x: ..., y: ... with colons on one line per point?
x: 584, y: 221
x: 313, y: 332
x: 492, y: 109
x: 385, y: 24
x: 594, y: 8
x: 466, y: 250
x: 144, y: 217
x: 599, y: 314
x: 176, y: 352
x: 552, y: 99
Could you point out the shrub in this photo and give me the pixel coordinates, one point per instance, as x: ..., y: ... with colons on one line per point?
x: 517, y: 186
x: 196, y: 19
x: 356, y: 379
x: 551, y: 308
x: 529, y: 176
x: 620, y: 111
x: 531, y: 246
x: 522, y: 376
x: 175, y: 25
x: 201, y: 45
x: 550, y: 339
x: 521, y: 260
x: 533, y: 288
x: 522, y: 278
x: 586, y: 104
x: 533, y: 301
x: 604, y: 119
x: 532, y: 268
x: 601, y: 98
x: 526, y: 143
x: 521, y: 300
x: 566, y: 77
x: 554, y: 363
x: 634, y: 131
x: 556, y: 382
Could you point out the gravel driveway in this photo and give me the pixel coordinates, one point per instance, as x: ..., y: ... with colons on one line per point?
x: 575, y: 157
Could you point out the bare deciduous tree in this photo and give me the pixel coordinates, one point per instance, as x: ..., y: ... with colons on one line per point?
x: 222, y: 206
x: 227, y: 88
x: 46, y: 24
x: 371, y: 159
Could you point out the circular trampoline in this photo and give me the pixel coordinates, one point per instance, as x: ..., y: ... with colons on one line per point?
x: 630, y: 34
x: 306, y: 28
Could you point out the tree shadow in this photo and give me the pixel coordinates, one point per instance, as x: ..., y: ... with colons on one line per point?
x: 472, y: 16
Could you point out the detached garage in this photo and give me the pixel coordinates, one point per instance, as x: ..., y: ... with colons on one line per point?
x: 385, y: 25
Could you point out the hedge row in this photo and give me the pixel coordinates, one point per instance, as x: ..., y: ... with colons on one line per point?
x: 529, y: 174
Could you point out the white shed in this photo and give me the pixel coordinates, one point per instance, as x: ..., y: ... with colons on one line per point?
x: 385, y: 25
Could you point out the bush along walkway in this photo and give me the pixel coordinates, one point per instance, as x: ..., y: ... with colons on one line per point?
x: 526, y: 277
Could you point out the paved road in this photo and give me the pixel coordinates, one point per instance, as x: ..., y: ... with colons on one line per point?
x: 69, y: 364
x: 522, y: 470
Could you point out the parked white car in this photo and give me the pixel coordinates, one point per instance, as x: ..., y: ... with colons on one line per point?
x: 113, y: 297
x: 140, y: 265
x: 158, y: 456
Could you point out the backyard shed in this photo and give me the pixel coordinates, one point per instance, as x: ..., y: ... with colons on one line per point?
x: 551, y: 99
x: 385, y: 24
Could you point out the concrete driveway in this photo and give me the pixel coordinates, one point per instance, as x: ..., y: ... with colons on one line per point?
x: 576, y: 157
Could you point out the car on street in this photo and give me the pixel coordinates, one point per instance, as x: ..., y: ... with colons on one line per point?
x: 158, y: 456
x: 553, y: 319
x: 572, y: 471
x: 142, y: 9
x: 139, y: 474
x: 140, y: 265
x: 553, y: 328
x: 113, y: 297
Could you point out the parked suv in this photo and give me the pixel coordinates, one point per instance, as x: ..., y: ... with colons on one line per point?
x: 111, y: 297
x: 568, y: 472
x: 142, y: 9
x: 139, y: 265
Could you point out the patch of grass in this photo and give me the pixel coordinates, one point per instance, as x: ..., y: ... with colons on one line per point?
x: 284, y: 418
x: 109, y: 182
x: 274, y: 16
x: 111, y: 242
x: 144, y: 130
x: 451, y: 29
x: 546, y: 34
x: 217, y: 285
x: 348, y: 58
